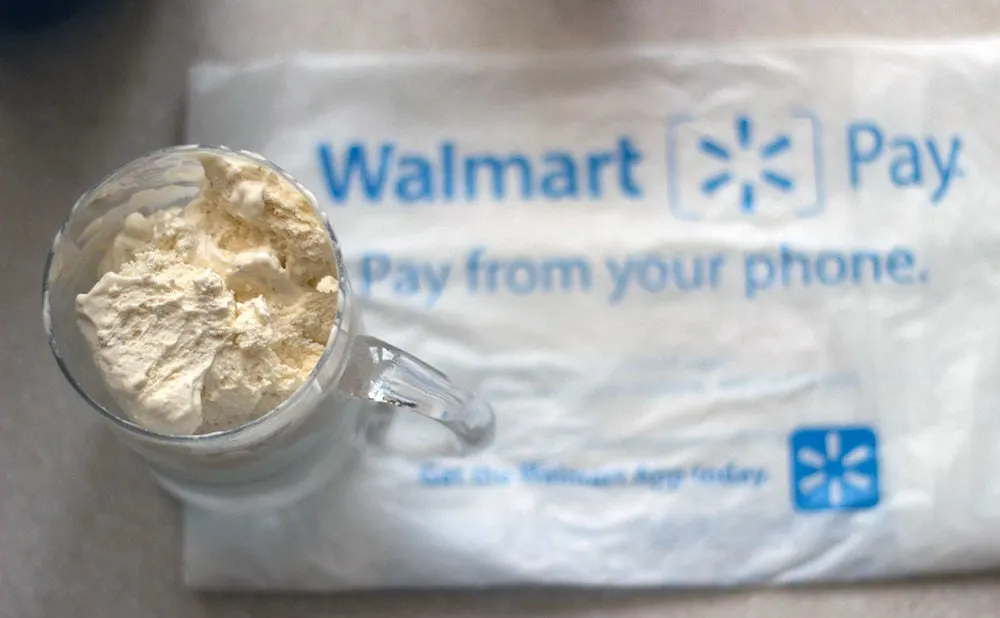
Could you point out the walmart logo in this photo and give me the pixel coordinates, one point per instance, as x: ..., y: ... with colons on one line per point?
x: 778, y: 145
x: 834, y: 468
x: 765, y: 165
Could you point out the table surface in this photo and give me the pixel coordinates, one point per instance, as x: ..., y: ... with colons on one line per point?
x: 82, y: 529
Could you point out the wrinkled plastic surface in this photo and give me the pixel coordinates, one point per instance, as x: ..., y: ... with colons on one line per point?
x: 737, y: 311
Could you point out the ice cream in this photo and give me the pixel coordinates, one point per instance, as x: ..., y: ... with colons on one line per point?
x: 209, y: 315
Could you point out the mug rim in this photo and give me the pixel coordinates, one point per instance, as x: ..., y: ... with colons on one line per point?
x: 343, y: 297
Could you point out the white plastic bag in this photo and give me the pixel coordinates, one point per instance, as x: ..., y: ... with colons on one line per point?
x: 737, y: 310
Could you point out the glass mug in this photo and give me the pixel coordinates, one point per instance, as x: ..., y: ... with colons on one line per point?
x: 349, y: 399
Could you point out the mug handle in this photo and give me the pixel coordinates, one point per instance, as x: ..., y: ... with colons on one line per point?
x: 385, y: 374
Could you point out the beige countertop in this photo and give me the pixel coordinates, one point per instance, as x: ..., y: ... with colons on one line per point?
x: 83, y: 532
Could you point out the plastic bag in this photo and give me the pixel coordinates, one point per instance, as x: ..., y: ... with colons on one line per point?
x: 736, y: 309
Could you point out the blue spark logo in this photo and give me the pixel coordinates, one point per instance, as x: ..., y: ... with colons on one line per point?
x: 773, y: 148
x: 834, y: 468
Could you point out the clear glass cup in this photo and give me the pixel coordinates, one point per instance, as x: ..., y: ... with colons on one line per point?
x: 349, y: 400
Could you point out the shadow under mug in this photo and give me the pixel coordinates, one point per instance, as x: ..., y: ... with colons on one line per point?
x: 349, y: 400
